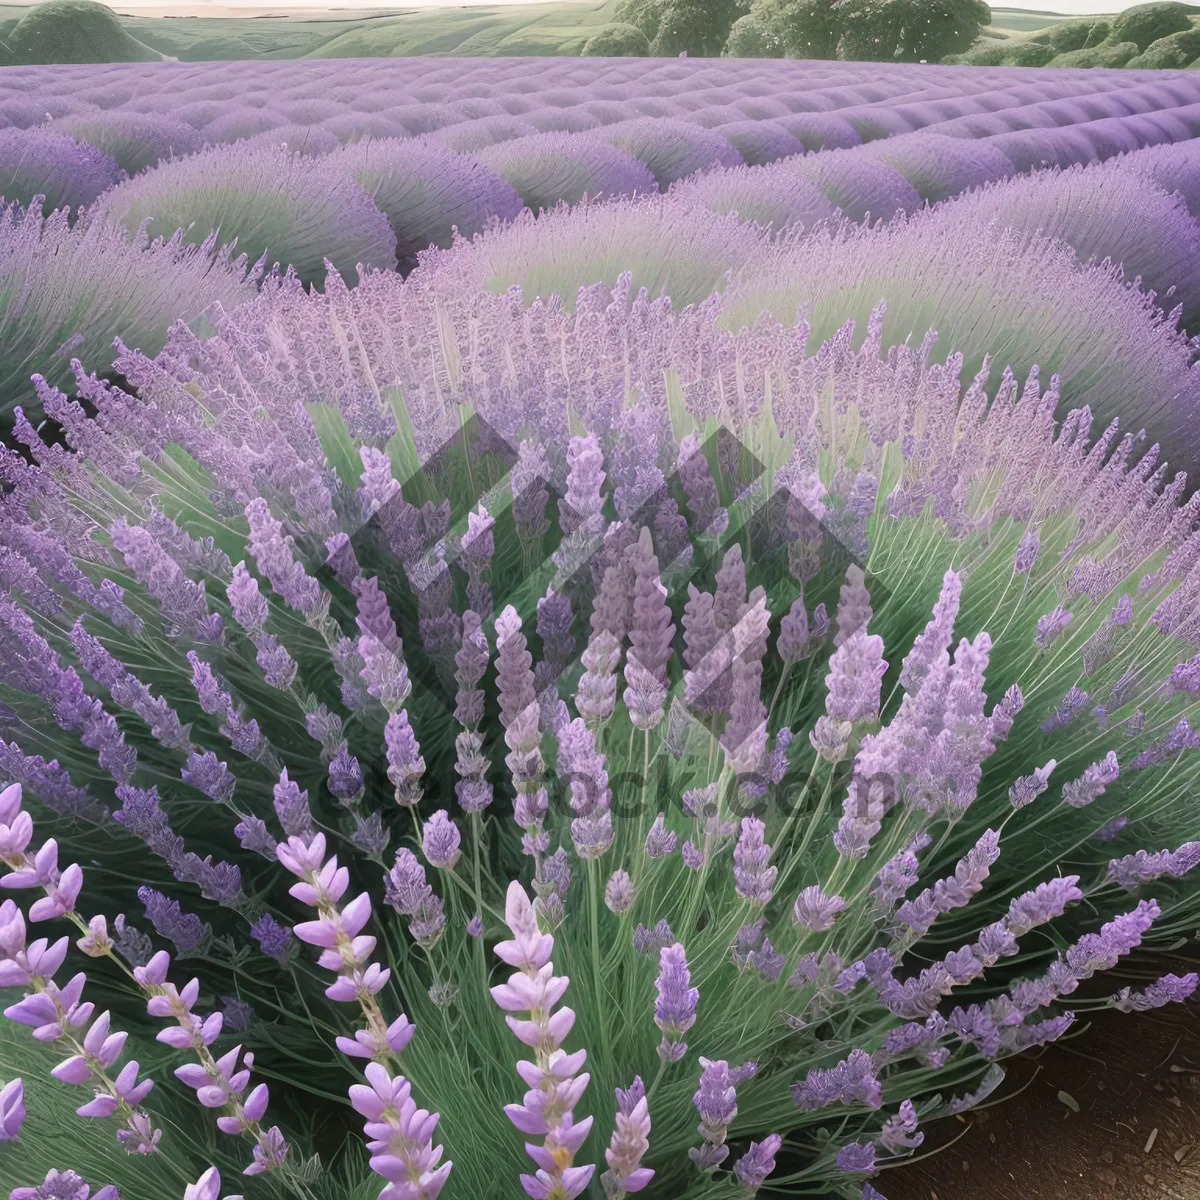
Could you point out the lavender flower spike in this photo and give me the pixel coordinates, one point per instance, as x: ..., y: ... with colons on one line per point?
x: 12, y: 1109
x: 401, y: 1137
x: 555, y: 1085
x: 1169, y: 989
x: 757, y: 1163
x: 816, y: 911
x: 675, y: 1008
x: 753, y: 879
x: 630, y: 1141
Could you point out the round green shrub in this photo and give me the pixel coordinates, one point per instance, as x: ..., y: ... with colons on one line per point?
x: 1074, y: 35
x: 1146, y: 23
x: 1169, y: 53
x: 617, y: 41
x: 751, y: 37
x: 75, y: 31
x: 1116, y: 55
x: 1028, y: 54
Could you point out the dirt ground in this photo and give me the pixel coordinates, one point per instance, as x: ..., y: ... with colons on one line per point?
x: 1135, y: 1081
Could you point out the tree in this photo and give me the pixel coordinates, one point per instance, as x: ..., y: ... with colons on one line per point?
x: 617, y: 41
x: 909, y: 30
x: 701, y: 27
x: 802, y: 28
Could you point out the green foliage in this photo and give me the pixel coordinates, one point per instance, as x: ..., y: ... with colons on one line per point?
x: 1116, y: 55
x: 804, y: 28
x: 909, y: 30
x: 617, y: 41
x: 751, y: 37
x: 989, y: 54
x: 699, y: 27
x: 74, y: 31
x: 1028, y: 54
x: 1146, y: 23
x: 1168, y: 53
x: 1074, y: 35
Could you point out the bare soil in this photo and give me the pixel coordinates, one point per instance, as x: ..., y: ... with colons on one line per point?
x: 1135, y: 1079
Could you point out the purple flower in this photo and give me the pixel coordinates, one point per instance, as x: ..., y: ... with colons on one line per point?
x: 754, y: 880
x: 900, y: 1131
x: 12, y: 1109
x: 1144, y: 867
x: 405, y: 763
x: 1050, y: 626
x: 1046, y: 901
x: 651, y: 941
x: 1168, y: 989
x: 274, y: 940
x: 1091, y: 784
x: 630, y: 1141
x: 816, y: 911
x: 619, y: 893
x: 401, y: 1133
x: 660, y: 841
x: 757, y: 1163
x: 440, y: 840
x: 675, y: 1008
x: 857, y: 1156
x: 1029, y: 787
x: 852, y: 1081
x: 185, y: 930
x: 554, y: 1081
x: 345, y: 775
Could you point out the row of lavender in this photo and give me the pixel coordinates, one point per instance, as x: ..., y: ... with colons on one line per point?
x: 920, y: 662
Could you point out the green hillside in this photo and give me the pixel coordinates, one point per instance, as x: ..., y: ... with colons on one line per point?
x: 73, y: 31
x: 534, y: 29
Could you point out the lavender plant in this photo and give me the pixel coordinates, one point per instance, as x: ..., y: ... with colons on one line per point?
x: 788, y: 736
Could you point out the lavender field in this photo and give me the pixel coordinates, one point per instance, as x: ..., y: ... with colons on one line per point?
x: 740, y: 509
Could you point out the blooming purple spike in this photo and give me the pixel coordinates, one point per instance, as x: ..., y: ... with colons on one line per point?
x: 555, y: 1083
x: 816, y: 911
x: 660, y: 841
x: 401, y: 1136
x: 1044, y: 903
x: 716, y: 1102
x: 753, y: 879
x: 440, y: 840
x: 1029, y: 787
x: 406, y: 766
x: 185, y: 930
x: 856, y: 1157
x: 1168, y: 989
x: 757, y: 1163
x: 629, y: 1144
x: 1050, y: 626
x: 1091, y: 784
x: 675, y: 1008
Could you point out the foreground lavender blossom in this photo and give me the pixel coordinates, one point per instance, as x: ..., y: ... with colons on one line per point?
x: 298, y: 607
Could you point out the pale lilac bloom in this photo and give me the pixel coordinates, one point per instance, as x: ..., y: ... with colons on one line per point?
x: 1079, y: 793
x: 630, y: 1141
x: 619, y: 893
x: 12, y: 1109
x: 400, y: 1137
x: 753, y: 879
x: 440, y: 840
x: 816, y: 911
x: 207, y: 1187
x: 1029, y: 787
x: 675, y: 1008
x: 660, y: 841
x: 554, y: 1078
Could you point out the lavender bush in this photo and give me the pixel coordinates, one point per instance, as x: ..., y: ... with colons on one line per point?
x: 68, y: 292
x: 790, y: 726
x: 273, y: 201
